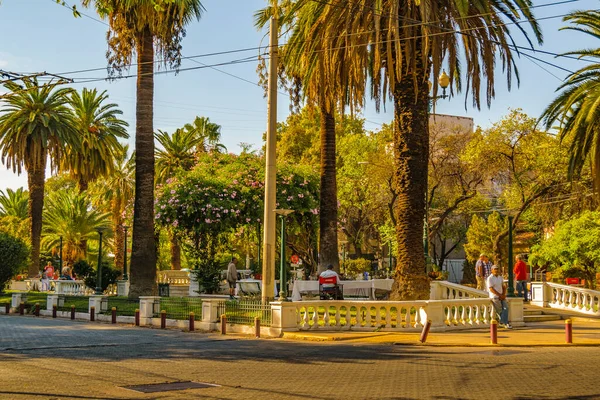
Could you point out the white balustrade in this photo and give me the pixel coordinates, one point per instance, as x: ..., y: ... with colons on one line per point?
x: 441, y: 290
x: 72, y: 288
x: 468, y: 312
x: 173, y: 277
x: 572, y: 298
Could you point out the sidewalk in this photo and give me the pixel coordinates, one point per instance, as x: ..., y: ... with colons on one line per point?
x: 552, y: 333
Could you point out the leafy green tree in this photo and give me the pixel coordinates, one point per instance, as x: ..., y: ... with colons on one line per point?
x: 402, y: 44
x: 14, y: 203
x: 141, y: 28
x: 99, y: 126
x: 573, y: 249
x: 482, y: 234
x: 206, y: 135
x: 575, y: 109
x: 69, y: 215
x: 35, y: 125
x: 14, y: 254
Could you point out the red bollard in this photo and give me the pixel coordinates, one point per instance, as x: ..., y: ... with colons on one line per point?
x: 425, y: 331
x: 223, y: 324
x: 257, y: 327
x: 568, y: 331
x: 137, y: 317
x: 7, y: 308
x: 114, y: 315
x: 163, y: 319
x: 92, y: 313
x: 494, y: 331
x: 72, y: 311
x: 37, y: 309
x: 53, y: 310
x: 192, y: 322
x: 22, y: 308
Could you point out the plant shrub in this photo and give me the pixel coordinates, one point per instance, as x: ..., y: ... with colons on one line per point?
x: 356, y: 267
x: 13, y: 257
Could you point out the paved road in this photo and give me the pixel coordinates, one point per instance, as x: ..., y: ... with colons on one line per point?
x: 57, y: 359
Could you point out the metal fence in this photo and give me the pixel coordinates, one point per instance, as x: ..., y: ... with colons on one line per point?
x: 244, y: 311
x: 180, y: 307
x: 124, y: 305
x: 81, y: 303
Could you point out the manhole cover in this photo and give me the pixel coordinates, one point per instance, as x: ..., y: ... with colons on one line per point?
x: 166, y: 387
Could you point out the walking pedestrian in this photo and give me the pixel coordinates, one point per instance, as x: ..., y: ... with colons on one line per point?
x: 232, y: 277
x: 520, y: 271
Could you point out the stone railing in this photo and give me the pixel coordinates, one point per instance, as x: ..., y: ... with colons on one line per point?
x: 467, y: 313
x: 441, y: 290
x: 564, y: 297
x: 72, y: 288
x: 181, y: 278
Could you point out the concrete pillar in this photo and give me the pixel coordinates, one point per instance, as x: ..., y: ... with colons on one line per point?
x: 434, y: 311
x: 122, y: 288
x: 52, y: 301
x: 99, y: 302
x: 515, y: 311
x: 284, y: 316
x: 17, y: 298
x: 210, y: 310
x: 540, y: 294
x: 435, y: 291
x: 147, y: 306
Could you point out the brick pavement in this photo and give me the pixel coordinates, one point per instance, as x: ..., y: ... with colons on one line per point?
x: 58, y: 359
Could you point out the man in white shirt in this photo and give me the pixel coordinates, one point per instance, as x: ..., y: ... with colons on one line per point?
x: 328, y: 273
x: 497, y: 290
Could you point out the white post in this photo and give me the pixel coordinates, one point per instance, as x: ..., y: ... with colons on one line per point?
x: 539, y: 294
x: 147, y: 307
x: 515, y: 311
x: 435, y: 291
x: 52, y: 301
x: 210, y: 311
x: 122, y: 288
x: 284, y: 316
x: 97, y: 301
x: 434, y: 311
x: 17, y: 298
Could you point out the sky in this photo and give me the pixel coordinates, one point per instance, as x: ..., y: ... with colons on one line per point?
x: 41, y: 35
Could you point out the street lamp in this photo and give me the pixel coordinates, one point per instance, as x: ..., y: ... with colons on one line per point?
x: 125, y: 277
x: 99, y: 272
x: 444, y: 82
x: 511, y: 288
x: 282, y: 281
x: 344, y: 243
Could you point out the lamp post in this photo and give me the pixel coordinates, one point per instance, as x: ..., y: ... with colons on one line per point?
x: 344, y: 243
x: 511, y: 288
x: 282, y: 279
x: 60, y: 258
x: 390, y: 257
x: 125, y: 277
x: 99, y: 272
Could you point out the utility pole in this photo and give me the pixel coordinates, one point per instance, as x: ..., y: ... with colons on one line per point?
x: 268, y: 267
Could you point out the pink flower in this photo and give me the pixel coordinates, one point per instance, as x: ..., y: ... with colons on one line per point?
x: 208, y: 221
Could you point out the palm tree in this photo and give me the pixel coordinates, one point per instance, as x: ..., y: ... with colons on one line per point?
x: 324, y: 78
x: 402, y: 44
x: 177, y: 154
x: 208, y: 134
x: 575, y: 109
x: 135, y: 27
x: 100, y: 128
x: 70, y: 215
x: 118, y: 191
x: 14, y: 203
x: 36, y: 124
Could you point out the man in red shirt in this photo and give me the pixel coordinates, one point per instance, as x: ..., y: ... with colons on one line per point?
x: 520, y: 271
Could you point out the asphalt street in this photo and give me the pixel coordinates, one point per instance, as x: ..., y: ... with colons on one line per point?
x: 42, y: 358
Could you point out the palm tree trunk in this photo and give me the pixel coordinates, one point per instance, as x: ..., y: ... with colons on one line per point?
x: 36, y: 178
x: 175, y: 252
x: 411, y: 151
x: 143, y: 249
x: 119, y: 242
x: 328, y: 246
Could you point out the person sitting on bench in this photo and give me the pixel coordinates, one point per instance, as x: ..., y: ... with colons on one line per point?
x: 329, y: 284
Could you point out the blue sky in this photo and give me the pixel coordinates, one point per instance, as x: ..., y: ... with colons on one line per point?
x: 40, y: 35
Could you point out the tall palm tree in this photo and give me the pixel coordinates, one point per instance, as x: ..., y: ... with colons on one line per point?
x: 136, y: 27
x: 100, y: 129
x: 208, y: 134
x: 118, y: 191
x: 575, y: 109
x: 403, y: 43
x: 36, y: 124
x: 177, y: 154
x: 324, y: 78
x: 70, y: 215
x: 14, y: 203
